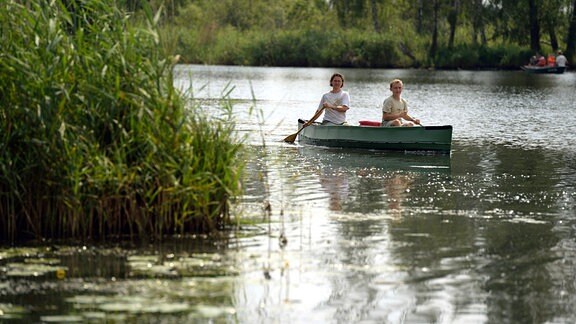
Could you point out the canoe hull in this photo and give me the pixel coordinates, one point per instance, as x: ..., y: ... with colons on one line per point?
x: 544, y: 70
x: 429, y: 138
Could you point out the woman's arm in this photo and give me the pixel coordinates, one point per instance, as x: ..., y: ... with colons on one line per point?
x: 340, y: 108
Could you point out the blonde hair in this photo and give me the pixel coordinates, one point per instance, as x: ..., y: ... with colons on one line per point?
x: 393, y: 82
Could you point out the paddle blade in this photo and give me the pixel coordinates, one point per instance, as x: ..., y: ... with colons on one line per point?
x: 290, y: 138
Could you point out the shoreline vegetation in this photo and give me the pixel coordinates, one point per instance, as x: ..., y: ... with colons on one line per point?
x: 436, y: 34
x: 95, y: 141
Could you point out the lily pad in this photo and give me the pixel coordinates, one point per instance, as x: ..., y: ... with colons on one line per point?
x: 10, y: 311
x: 62, y: 319
x: 17, y: 252
x: 141, y: 305
x: 214, y: 311
x: 23, y: 269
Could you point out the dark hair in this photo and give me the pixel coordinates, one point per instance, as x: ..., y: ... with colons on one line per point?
x: 337, y: 75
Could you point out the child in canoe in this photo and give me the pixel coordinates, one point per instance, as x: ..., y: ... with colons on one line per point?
x: 395, y: 108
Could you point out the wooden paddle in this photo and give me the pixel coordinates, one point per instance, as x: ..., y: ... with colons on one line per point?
x: 292, y: 138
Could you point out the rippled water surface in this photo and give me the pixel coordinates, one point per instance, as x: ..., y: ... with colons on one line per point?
x: 483, y: 235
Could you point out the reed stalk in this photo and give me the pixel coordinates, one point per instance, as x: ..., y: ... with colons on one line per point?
x: 95, y: 141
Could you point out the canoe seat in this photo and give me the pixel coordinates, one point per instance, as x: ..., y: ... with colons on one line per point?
x: 370, y: 123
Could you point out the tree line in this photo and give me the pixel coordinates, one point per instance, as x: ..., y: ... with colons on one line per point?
x: 425, y: 31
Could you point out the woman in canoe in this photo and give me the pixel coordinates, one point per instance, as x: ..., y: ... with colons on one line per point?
x: 395, y: 108
x: 336, y: 102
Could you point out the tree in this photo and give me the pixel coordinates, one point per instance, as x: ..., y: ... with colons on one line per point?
x: 571, y: 37
x: 453, y: 13
x: 350, y: 12
x: 477, y: 13
x: 420, y: 16
x: 374, y: 9
x: 554, y: 13
x: 434, y: 44
x: 534, y: 25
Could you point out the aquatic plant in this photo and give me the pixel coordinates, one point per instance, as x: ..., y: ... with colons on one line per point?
x: 94, y: 138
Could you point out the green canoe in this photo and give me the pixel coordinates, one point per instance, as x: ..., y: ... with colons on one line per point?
x: 418, y: 138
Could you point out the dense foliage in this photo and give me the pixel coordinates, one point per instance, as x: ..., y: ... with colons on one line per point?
x: 94, y: 138
x: 368, y: 33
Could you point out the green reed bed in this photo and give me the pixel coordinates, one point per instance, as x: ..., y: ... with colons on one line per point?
x: 95, y: 141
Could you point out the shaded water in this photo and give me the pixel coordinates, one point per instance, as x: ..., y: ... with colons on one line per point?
x: 484, y: 235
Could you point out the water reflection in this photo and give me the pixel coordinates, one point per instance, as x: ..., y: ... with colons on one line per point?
x: 335, y: 183
x: 365, y: 182
x: 397, y: 188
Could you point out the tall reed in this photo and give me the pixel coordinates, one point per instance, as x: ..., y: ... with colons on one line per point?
x: 95, y: 140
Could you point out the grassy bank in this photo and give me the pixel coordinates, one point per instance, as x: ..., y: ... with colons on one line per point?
x: 95, y: 141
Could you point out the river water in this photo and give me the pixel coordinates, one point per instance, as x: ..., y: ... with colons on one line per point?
x: 485, y: 234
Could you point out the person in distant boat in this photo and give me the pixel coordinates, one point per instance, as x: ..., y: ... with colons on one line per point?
x: 542, y: 61
x: 395, y: 108
x: 561, y: 60
x: 551, y: 60
x: 336, y: 102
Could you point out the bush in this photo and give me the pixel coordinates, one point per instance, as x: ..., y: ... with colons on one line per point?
x: 315, y: 48
x: 481, y: 57
x: 372, y: 50
x: 284, y: 48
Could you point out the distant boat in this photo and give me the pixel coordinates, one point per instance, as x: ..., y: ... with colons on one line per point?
x: 368, y: 136
x: 543, y: 69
